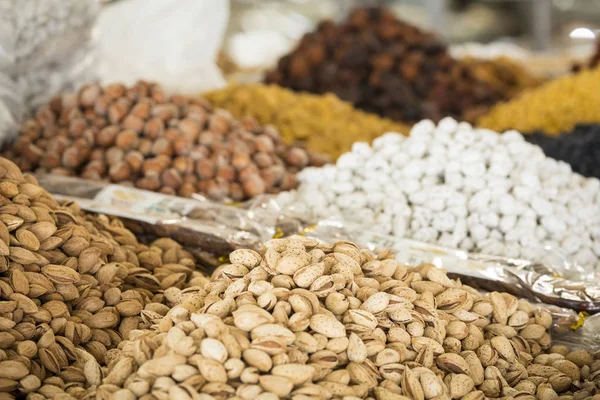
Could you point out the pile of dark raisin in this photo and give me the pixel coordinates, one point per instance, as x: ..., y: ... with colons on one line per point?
x: 385, y: 66
x: 580, y: 148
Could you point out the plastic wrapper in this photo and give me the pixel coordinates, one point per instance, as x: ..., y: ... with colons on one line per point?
x: 570, y: 302
x: 206, y: 229
x: 45, y: 48
x: 549, y: 281
x: 261, y: 32
x: 172, y: 42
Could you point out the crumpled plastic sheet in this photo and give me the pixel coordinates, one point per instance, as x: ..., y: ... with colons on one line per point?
x: 46, y: 47
x: 541, y: 280
x: 215, y: 228
x: 570, y: 302
x: 207, y: 229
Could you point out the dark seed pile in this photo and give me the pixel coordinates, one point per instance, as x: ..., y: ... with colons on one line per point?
x: 385, y: 66
x: 580, y: 148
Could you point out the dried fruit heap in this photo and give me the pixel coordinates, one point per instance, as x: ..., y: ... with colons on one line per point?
x: 579, y: 147
x: 176, y: 145
x: 72, y: 286
x: 313, y: 321
x: 555, y: 107
x: 385, y: 66
x: 325, y: 123
x: 503, y: 74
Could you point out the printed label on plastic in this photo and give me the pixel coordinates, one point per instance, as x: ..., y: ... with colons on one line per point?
x: 414, y: 253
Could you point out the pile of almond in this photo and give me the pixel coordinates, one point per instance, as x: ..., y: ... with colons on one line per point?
x: 173, y: 144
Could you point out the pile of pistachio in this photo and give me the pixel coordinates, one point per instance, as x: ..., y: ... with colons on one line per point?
x: 306, y: 320
x: 72, y: 287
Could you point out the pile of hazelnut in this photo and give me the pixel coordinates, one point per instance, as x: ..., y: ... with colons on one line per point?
x: 172, y: 144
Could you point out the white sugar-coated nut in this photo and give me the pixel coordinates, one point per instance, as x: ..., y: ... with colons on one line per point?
x: 526, y: 222
x: 411, y: 186
x: 374, y: 199
x: 344, y: 175
x: 507, y: 222
x: 448, y: 125
x: 541, y: 206
x: 329, y: 173
x: 435, y: 204
x: 523, y: 193
x: 490, y: 219
x: 496, y: 234
x: 491, y: 246
x: 399, y: 225
x: 541, y: 233
x: 426, y: 235
x: 585, y: 256
x: 362, y: 149
x: 473, y: 184
x: 387, y: 153
x: 342, y: 187
x: 553, y: 223
x: 530, y: 180
x: 422, y: 129
x: 413, y: 169
x: 444, y: 221
x: 417, y: 149
x: 349, y: 161
x: 467, y: 244
x: 419, y: 197
x: 502, y: 193
x: 458, y: 211
x: 355, y: 201
x: 369, y: 185
x: 480, y: 201
x: 454, y: 179
x: 479, y: 232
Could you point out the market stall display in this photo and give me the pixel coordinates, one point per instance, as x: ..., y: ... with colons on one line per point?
x: 555, y: 107
x: 331, y: 321
x: 385, y: 66
x: 171, y: 249
x: 73, y: 286
x: 580, y: 148
x: 92, y: 313
x: 174, y: 144
x: 459, y: 187
x: 324, y: 123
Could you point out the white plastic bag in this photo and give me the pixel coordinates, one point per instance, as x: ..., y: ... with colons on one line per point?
x: 45, y: 48
x: 173, y: 42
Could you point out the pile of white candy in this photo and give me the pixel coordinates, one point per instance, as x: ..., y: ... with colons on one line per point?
x: 460, y: 187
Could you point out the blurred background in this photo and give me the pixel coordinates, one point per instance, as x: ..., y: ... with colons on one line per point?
x: 559, y: 31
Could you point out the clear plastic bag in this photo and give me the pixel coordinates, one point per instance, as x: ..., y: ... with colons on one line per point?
x: 45, y: 48
x: 172, y: 42
x: 538, y: 281
x: 207, y: 229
